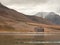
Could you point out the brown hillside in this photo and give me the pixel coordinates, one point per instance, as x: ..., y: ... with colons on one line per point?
x: 11, y: 20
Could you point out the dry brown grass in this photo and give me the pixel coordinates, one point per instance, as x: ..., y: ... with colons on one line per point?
x: 30, y: 27
x: 45, y: 26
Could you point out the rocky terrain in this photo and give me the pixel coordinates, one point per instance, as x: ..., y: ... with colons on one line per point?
x: 53, y: 17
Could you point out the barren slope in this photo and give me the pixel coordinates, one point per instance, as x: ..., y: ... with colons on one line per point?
x: 11, y: 20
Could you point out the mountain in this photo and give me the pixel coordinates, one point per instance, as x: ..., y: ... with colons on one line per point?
x: 42, y: 14
x: 11, y: 20
x: 55, y: 18
x: 7, y: 14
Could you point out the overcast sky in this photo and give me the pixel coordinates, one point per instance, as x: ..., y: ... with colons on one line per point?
x: 33, y: 6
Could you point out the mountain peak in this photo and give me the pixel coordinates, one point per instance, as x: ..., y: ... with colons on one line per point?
x: 54, y: 18
x: 42, y: 14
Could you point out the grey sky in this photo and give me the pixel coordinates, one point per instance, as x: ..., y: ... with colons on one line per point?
x: 33, y: 6
x: 24, y: 1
